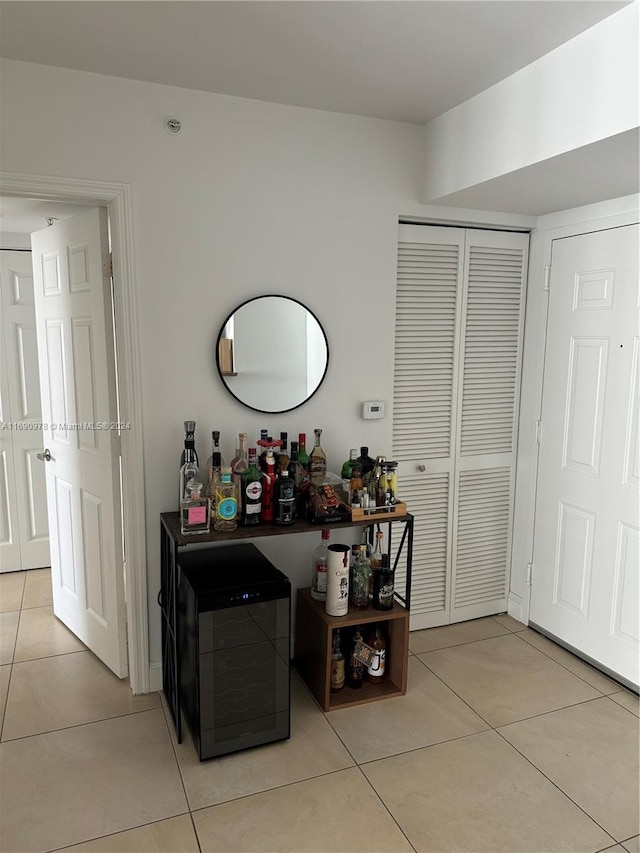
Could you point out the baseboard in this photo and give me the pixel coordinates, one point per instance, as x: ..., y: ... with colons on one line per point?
x: 516, y: 608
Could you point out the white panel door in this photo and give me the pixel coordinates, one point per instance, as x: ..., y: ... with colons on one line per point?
x: 27, y: 492
x: 77, y: 377
x: 586, y: 556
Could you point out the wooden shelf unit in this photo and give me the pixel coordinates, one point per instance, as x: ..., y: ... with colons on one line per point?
x: 312, y: 659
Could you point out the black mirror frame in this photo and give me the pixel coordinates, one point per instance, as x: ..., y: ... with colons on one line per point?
x: 217, y: 352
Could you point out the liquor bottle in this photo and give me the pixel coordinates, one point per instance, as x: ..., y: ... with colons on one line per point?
x: 215, y: 438
x: 188, y: 470
x: 251, y: 495
x: 359, y: 575
x: 194, y: 510
x: 317, y: 461
x: 367, y: 463
x: 303, y: 456
x: 365, y: 543
x: 376, y: 669
x: 240, y: 464
x: 376, y: 561
x: 300, y: 477
x: 283, y: 454
x: 383, y: 586
x: 319, y: 568
x: 268, y: 483
x: 347, y: 467
x: 262, y: 443
x: 337, y: 600
x: 374, y: 486
x: 356, y: 669
x: 337, y: 663
x: 226, y: 503
x: 284, y: 499
x: 189, y: 436
x: 215, y: 448
x: 215, y: 467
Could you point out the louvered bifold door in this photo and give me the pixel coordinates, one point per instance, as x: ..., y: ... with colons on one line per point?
x: 487, y: 403
x: 429, y: 282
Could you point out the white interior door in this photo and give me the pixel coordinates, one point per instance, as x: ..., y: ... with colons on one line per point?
x: 23, y: 499
x: 586, y: 556
x: 77, y: 377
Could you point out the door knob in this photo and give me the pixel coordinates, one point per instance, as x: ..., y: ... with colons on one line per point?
x: 46, y: 456
x: 422, y: 468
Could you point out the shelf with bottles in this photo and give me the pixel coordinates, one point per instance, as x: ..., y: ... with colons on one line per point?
x: 313, y: 644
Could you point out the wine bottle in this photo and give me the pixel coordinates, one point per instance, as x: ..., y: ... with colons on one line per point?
x: 303, y: 456
x: 251, y: 495
x: 284, y: 499
x: 383, y: 586
x: 240, y: 463
x: 337, y: 663
x: 356, y: 669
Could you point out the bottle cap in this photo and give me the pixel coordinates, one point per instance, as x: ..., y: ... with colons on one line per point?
x: 364, y: 451
x: 194, y: 488
x: 326, y: 534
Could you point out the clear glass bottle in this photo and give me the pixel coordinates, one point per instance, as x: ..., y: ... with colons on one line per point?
x: 189, y: 436
x: 188, y: 472
x: 377, y: 667
x: 284, y: 499
x: 251, y: 495
x: 240, y: 464
x: 376, y: 561
x: 215, y: 448
x: 317, y: 461
x: 194, y: 510
x: 360, y: 572
x: 319, y: 568
x: 337, y: 663
x: 226, y: 503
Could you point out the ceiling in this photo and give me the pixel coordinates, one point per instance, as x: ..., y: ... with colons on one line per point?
x: 402, y: 60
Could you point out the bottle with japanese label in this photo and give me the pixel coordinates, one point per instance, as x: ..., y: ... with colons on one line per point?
x: 251, y: 495
x: 194, y: 510
x: 317, y: 461
x: 383, y: 586
x: 337, y: 663
x: 284, y: 499
x: 319, y: 568
x: 226, y: 503
x: 355, y: 669
x: 376, y: 669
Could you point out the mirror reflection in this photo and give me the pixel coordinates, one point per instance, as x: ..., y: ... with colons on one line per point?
x: 272, y: 353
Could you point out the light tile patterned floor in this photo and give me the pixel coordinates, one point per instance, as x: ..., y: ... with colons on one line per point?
x: 504, y: 742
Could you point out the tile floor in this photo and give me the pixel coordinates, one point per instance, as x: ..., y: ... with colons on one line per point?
x: 504, y: 742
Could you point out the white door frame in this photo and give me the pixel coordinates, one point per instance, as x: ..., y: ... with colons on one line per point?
x: 570, y: 223
x: 117, y: 198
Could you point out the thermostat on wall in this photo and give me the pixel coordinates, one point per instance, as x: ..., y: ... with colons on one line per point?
x: 372, y: 409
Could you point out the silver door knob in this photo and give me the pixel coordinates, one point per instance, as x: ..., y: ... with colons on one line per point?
x: 46, y: 456
x: 422, y: 468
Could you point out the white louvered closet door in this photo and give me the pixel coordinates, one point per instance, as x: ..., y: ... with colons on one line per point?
x: 457, y: 366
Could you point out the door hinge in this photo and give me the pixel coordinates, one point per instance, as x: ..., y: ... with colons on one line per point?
x: 107, y: 265
x: 547, y: 278
x: 538, y: 431
x: 529, y: 573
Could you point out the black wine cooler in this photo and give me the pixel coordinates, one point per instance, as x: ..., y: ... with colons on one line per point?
x: 234, y: 615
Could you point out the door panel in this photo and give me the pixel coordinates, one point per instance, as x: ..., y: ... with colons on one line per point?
x: 585, y: 577
x: 25, y: 499
x: 73, y: 308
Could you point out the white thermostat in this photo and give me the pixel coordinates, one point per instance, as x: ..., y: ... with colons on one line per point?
x: 372, y: 409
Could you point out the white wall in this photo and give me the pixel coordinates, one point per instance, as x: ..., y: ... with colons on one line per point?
x: 249, y: 198
x: 582, y: 92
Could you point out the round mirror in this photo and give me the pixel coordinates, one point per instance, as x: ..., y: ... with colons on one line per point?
x: 272, y: 353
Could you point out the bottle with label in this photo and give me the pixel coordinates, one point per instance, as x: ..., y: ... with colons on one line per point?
x: 317, y: 461
x: 251, y: 494
x: 367, y: 463
x: 337, y: 663
x: 383, y: 586
x: 319, y: 568
x: 226, y: 503
x: 348, y: 466
x: 300, y: 477
x: 215, y: 468
x: 284, y: 499
x: 337, y: 600
x: 359, y: 579
x: 365, y: 543
x: 268, y: 484
x: 215, y: 448
x: 376, y: 669
x: 374, y: 482
x: 356, y: 669
x: 194, y: 510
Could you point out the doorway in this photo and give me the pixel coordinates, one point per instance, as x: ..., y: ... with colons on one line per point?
x: 116, y: 197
